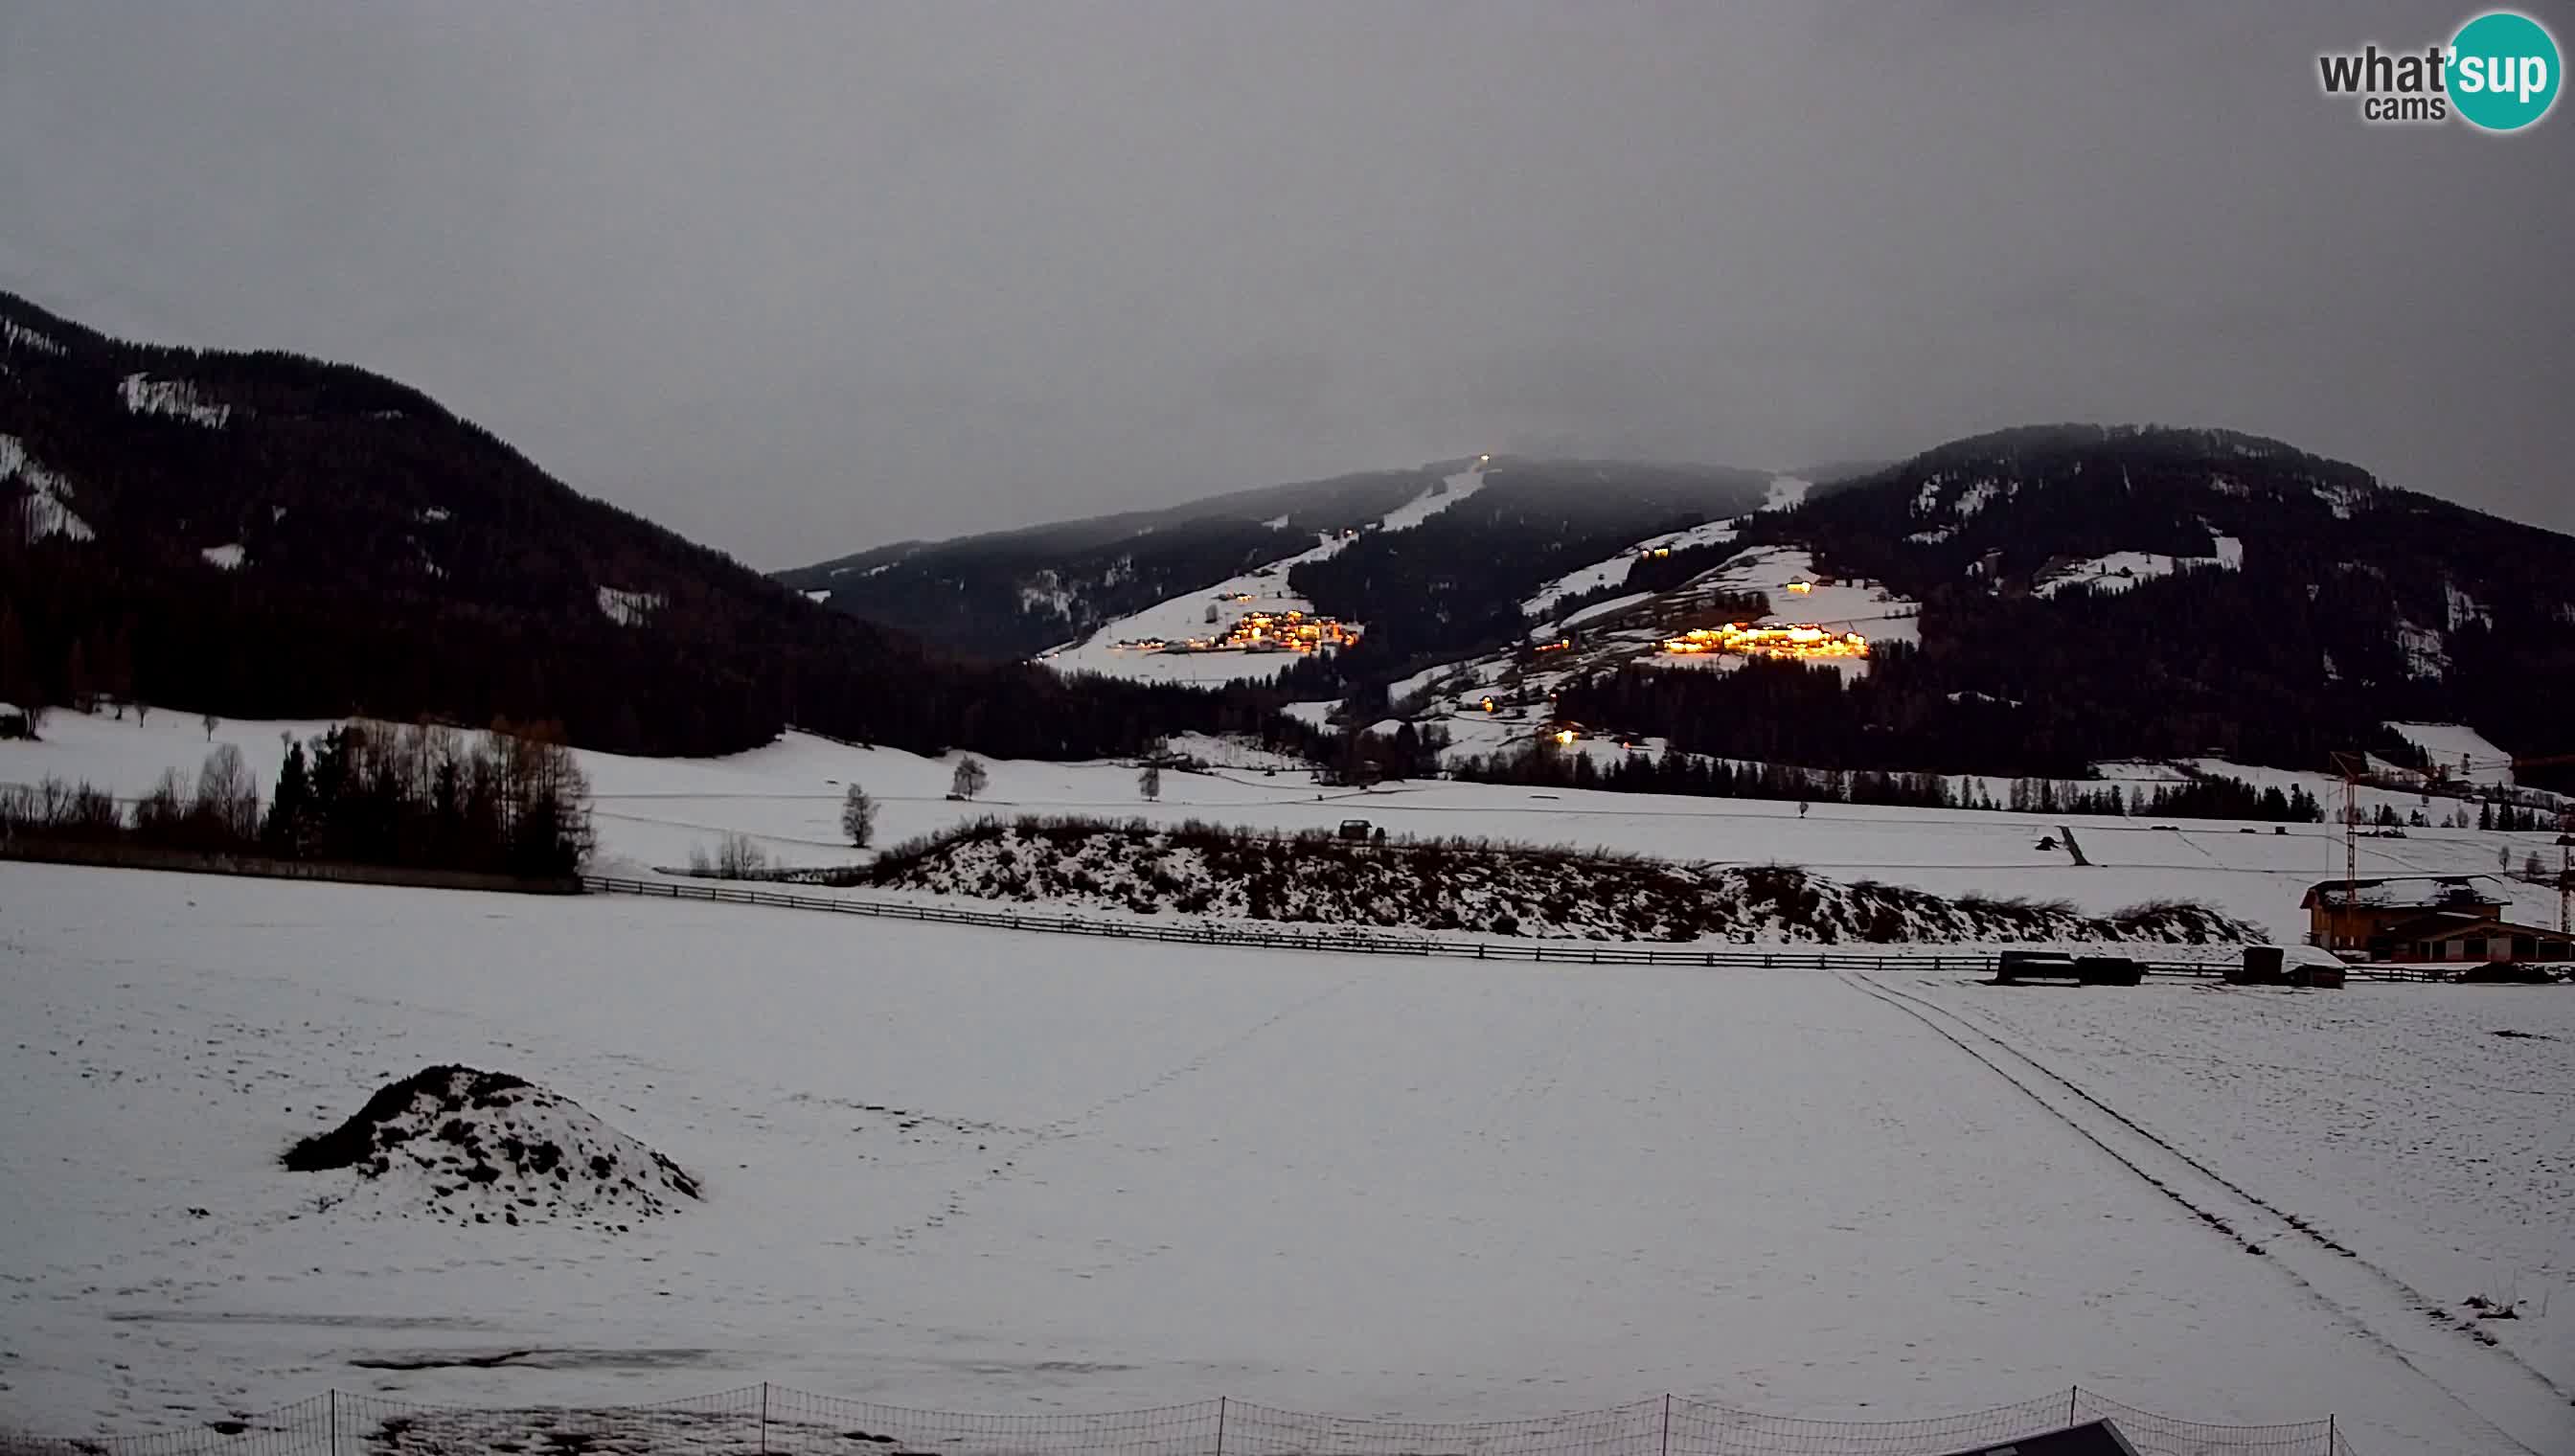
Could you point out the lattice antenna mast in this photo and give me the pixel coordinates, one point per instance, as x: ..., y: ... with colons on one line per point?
x: 2350, y: 767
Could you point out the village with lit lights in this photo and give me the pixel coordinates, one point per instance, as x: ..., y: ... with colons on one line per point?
x: 1798, y: 640
x: 1257, y: 631
x: 1715, y: 621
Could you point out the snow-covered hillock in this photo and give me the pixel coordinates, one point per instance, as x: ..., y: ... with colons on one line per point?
x: 466, y: 1146
x: 1317, y: 877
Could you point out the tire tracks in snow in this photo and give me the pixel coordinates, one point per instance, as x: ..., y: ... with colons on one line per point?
x: 1540, y: 1076
x: 953, y: 1203
x: 2521, y: 1404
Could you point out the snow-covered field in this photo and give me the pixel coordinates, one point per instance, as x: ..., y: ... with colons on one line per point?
x: 2122, y: 569
x: 651, y: 811
x: 962, y: 1169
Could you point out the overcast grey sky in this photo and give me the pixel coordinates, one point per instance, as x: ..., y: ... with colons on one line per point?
x: 800, y: 278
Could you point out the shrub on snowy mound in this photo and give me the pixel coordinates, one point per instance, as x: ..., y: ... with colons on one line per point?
x: 1315, y: 878
x: 470, y: 1146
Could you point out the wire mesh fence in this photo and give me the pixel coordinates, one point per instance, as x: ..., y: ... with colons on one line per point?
x: 759, y: 1420
x: 1626, y: 1430
x: 293, y: 1430
x: 2160, y: 1435
x: 805, y: 1423
x: 727, y: 1423
x: 1701, y: 1429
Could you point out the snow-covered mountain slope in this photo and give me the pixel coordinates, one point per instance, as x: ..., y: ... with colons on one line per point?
x: 2135, y: 590
x: 2458, y: 752
x: 267, y: 533
x: 176, y: 398
x: 1787, y: 578
x: 1154, y: 644
x: 1613, y: 570
x: 45, y: 503
x: 1018, y: 592
x: 1786, y: 493
x: 1517, y: 521
x: 1452, y: 489
x: 1503, y: 698
x: 2121, y: 570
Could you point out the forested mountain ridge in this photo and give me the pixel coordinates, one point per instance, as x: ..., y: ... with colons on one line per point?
x: 2094, y: 591
x: 1012, y: 594
x: 1448, y: 579
x: 267, y: 535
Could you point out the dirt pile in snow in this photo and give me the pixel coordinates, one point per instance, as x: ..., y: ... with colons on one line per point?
x: 468, y: 1146
x: 1221, y: 873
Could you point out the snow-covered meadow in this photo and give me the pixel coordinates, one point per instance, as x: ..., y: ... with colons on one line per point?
x: 787, y: 795
x: 965, y: 1169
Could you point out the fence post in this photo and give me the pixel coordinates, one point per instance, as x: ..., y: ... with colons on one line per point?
x: 1666, y: 1449
x: 764, y: 1417
x: 1220, y: 1425
x: 335, y: 1421
x: 2072, y: 1394
x: 2333, y: 1439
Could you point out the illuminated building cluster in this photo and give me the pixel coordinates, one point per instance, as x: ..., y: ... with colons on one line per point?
x: 1735, y: 638
x: 1260, y: 631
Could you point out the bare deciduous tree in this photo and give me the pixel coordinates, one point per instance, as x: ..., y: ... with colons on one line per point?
x: 971, y: 779
x: 1150, y: 783
x: 158, y: 813
x: 227, y: 795
x: 211, y: 722
x: 739, y: 857
x: 858, y: 816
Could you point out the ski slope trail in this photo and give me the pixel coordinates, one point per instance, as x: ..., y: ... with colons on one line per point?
x: 2490, y: 1383
x: 1112, y: 650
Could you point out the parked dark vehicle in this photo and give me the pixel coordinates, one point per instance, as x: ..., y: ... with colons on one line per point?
x: 2108, y: 970
x: 2014, y: 967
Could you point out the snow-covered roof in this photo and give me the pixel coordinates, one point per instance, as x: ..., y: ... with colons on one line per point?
x: 2406, y: 891
x: 2457, y: 924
